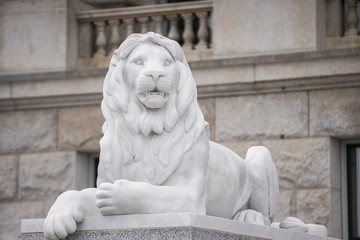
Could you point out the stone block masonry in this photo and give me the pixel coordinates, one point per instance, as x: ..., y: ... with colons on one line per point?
x: 80, y: 128
x: 335, y: 112
x: 26, y: 131
x: 261, y: 116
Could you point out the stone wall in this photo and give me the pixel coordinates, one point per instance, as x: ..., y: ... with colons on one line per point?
x: 43, y: 153
x: 45, y: 33
x: 302, y: 131
x: 251, y: 27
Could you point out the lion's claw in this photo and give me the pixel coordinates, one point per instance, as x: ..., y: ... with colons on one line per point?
x: 250, y: 216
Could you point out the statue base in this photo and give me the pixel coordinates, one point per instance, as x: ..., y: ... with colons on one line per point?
x: 165, y: 226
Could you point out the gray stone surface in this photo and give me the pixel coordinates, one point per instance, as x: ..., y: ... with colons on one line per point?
x: 166, y: 226
x: 224, y: 74
x: 314, y: 205
x: 261, y: 116
x: 184, y: 233
x: 80, y: 128
x: 61, y: 87
x: 335, y: 224
x: 253, y: 27
x: 286, y: 205
x: 307, y: 68
x: 303, y: 162
x: 207, y: 106
x: 241, y: 147
x: 320, y: 206
x: 27, y: 131
x: 335, y: 163
x: 17, y: 6
x: 334, y: 23
x: 12, y: 213
x: 5, y: 91
x: 46, y: 175
x: 335, y: 112
x: 8, y: 177
x: 41, y: 38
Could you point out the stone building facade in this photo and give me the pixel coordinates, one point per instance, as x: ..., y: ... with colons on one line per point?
x: 284, y: 74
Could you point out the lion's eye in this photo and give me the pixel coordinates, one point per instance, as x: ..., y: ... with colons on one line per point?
x: 167, y: 62
x: 139, y: 62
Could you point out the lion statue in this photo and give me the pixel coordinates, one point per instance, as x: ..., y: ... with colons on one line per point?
x: 156, y: 156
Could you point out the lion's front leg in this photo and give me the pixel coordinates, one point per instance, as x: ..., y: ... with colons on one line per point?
x: 127, y: 197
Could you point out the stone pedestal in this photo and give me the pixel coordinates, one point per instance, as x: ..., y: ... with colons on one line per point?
x: 165, y: 226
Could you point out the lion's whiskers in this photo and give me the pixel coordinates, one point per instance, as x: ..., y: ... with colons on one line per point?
x: 146, y: 85
x: 165, y: 85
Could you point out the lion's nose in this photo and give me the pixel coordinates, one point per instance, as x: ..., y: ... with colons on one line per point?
x: 156, y: 75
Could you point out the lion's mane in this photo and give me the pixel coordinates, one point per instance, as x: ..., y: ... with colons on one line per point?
x: 139, y: 145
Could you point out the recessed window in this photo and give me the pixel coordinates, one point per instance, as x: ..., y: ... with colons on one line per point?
x: 93, y: 170
x: 353, y: 190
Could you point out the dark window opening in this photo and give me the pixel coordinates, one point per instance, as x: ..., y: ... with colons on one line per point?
x: 353, y: 189
x: 93, y: 170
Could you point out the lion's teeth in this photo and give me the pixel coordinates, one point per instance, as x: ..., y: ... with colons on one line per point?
x: 155, y: 93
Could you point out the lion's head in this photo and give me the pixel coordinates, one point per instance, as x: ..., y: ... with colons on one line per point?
x: 149, y: 96
x: 150, y: 81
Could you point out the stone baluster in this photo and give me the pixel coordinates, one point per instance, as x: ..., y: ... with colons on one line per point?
x: 351, y: 19
x: 100, y: 39
x: 188, y: 34
x: 130, y: 25
x: 174, y: 32
x: 115, y: 35
x: 203, y: 32
x: 158, y: 24
x: 144, y: 21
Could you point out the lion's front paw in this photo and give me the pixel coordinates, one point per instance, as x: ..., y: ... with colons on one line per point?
x: 111, y: 197
x: 62, y: 219
x: 61, y: 224
x: 250, y: 216
x: 118, y: 197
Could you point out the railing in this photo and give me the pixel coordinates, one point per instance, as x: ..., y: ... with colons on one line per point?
x: 342, y: 24
x: 101, y: 31
x: 351, y: 18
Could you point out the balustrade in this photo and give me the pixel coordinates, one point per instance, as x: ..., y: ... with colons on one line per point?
x: 342, y: 24
x: 187, y: 23
x: 352, y: 18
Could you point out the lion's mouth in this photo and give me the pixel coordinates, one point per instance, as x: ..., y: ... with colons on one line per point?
x: 154, y: 99
x: 155, y: 94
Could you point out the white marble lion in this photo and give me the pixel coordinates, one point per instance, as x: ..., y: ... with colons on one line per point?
x: 156, y: 156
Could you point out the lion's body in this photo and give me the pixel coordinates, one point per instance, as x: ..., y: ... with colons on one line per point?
x: 169, y: 145
x: 228, y: 187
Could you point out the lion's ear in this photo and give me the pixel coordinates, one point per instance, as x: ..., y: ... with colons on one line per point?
x: 186, y: 89
x: 115, y: 90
